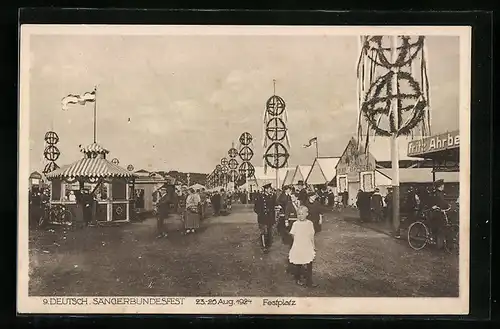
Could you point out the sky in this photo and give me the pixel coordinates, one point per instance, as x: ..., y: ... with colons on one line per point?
x: 189, y: 97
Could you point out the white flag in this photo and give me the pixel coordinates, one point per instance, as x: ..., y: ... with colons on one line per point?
x: 311, y: 141
x: 88, y: 97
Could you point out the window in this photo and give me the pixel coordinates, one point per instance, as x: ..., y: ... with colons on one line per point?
x: 367, y: 182
x: 342, y: 184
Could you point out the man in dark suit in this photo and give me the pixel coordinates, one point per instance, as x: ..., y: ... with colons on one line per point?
x: 264, y: 208
x: 301, y: 192
x: 163, y: 206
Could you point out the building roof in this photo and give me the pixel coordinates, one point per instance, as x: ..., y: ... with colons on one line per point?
x: 322, y: 171
x: 36, y: 175
x: 90, y: 168
x: 301, y: 173
x: 421, y: 175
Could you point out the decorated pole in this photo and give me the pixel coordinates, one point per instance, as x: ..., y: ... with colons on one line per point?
x: 394, y: 138
x: 276, y: 155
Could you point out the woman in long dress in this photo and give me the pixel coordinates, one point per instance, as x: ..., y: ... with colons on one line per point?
x: 192, y: 216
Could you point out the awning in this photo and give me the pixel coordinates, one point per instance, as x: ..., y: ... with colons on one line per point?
x: 90, y: 168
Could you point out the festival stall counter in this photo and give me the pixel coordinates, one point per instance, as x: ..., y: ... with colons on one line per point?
x: 109, y: 183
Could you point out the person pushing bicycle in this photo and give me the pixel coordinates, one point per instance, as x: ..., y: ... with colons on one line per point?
x: 437, y: 218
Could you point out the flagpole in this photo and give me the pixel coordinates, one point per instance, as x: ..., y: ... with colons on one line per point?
x: 317, y: 148
x: 95, y: 113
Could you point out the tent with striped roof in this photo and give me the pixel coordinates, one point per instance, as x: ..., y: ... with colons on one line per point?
x: 93, y: 165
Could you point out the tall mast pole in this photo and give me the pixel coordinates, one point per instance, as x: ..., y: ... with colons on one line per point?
x: 276, y: 154
x: 394, y: 139
x: 95, y: 113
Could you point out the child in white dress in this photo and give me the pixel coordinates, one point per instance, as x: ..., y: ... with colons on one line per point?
x: 303, y: 251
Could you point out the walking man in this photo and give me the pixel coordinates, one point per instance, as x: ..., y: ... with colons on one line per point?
x: 162, y: 212
x: 264, y: 208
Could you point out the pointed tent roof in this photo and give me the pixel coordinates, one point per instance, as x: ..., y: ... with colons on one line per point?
x: 323, y: 170
x: 288, y: 177
x: 299, y: 173
x: 261, y: 178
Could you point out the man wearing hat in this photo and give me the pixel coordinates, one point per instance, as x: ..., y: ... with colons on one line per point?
x: 437, y: 220
x: 377, y: 205
x: 302, y: 193
x: 388, y: 204
x: 264, y: 208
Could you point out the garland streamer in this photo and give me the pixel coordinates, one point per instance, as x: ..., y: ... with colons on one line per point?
x: 376, y: 94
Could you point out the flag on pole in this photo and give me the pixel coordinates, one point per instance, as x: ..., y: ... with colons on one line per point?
x: 311, y: 141
x: 88, y: 97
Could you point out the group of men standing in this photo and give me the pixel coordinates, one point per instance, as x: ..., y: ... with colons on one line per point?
x: 278, y: 210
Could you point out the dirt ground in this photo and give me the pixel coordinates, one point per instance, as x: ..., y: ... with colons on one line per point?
x: 224, y: 259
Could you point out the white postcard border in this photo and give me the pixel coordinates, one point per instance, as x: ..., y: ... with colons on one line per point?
x: 242, y: 305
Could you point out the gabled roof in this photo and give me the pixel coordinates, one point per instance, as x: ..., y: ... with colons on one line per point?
x: 323, y: 170
x: 380, y: 148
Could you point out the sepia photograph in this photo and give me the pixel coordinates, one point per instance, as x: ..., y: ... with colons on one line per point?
x: 244, y: 169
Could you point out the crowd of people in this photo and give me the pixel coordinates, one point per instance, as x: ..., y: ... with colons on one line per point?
x: 416, y: 203
x: 192, y: 205
x: 296, y: 214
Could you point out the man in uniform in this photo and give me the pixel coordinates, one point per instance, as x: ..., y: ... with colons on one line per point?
x: 264, y: 208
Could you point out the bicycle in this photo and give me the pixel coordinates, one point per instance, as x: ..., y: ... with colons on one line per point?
x: 419, y: 234
x: 56, y: 215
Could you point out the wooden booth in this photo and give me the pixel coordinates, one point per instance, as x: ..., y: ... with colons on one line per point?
x: 365, y: 168
x: 109, y: 183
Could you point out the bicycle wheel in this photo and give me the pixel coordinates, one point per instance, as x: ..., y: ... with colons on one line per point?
x: 418, y: 235
x: 66, y: 217
x: 451, y: 243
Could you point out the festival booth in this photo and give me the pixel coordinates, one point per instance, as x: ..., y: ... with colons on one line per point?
x: 109, y: 182
x: 444, y: 152
x: 146, y: 186
x: 366, y: 169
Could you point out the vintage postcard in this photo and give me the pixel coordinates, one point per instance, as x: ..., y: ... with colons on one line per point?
x: 244, y: 169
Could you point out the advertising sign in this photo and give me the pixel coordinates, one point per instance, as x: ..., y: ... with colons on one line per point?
x: 446, y: 141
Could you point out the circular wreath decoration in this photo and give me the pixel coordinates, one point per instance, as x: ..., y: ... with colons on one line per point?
x: 233, y: 164
x: 115, y: 161
x: 246, y: 169
x: 276, y: 129
x: 246, y: 138
x: 275, y: 105
x: 223, y: 162
x: 51, y: 137
x: 246, y: 153
x: 276, y: 155
x: 378, y: 104
x: 130, y: 168
x: 50, y: 167
x: 51, y: 153
x: 406, y: 52
x: 232, y: 153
